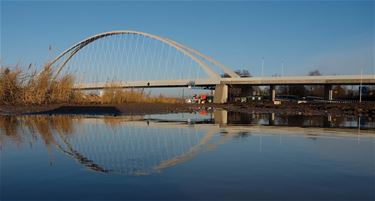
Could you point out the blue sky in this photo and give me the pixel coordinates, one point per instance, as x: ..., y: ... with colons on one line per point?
x: 335, y: 37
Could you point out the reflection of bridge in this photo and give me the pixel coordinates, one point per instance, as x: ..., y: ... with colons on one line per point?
x: 132, y: 150
x: 133, y: 59
x: 132, y: 146
x: 137, y: 147
x: 143, y: 147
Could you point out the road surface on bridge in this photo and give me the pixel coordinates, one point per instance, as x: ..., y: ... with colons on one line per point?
x: 302, y: 80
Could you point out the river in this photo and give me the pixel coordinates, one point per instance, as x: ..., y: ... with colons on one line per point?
x: 205, y: 155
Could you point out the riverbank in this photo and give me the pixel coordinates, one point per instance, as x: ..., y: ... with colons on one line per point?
x: 99, y: 109
x: 367, y: 109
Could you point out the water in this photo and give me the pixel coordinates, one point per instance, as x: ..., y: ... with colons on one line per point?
x: 205, y: 155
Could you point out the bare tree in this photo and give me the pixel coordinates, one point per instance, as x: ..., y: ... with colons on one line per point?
x: 314, y: 73
x: 315, y: 90
x: 241, y: 73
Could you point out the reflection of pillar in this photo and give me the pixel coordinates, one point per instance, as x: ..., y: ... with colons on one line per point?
x: 271, y: 119
x: 220, y: 116
x: 327, y: 121
x: 328, y: 92
x: 272, y: 93
x: 221, y: 93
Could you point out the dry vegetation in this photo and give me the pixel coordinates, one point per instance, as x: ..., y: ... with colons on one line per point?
x: 113, y: 94
x: 18, y: 87
x: 31, y: 88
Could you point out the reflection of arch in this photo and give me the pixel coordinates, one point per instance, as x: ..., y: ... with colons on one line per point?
x: 203, y: 145
x: 183, y: 49
x: 79, y: 157
x: 94, y: 161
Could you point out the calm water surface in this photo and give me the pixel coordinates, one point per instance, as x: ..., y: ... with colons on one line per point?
x: 206, y: 156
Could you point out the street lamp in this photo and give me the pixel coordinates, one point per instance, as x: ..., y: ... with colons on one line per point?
x: 262, y: 66
x: 360, y: 87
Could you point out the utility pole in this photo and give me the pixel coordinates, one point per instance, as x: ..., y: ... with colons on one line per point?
x: 49, y: 53
x: 360, y: 87
x: 262, y: 66
x: 282, y: 69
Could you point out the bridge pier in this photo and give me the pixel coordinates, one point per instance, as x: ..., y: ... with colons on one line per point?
x: 221, y: 93
x: 272, y: 93
x: 328, y: 92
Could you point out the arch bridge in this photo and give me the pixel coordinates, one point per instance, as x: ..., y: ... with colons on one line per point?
x: 134, y: 59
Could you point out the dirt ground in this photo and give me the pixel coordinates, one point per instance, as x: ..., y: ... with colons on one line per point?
x: 367, y: 109
x: 110, y: 109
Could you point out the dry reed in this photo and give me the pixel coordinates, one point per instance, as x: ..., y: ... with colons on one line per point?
x: 30, y: 88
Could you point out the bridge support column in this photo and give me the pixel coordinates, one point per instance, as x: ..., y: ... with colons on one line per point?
x: 221, y: 93
x: 272, y: 93
x: 328, y: 92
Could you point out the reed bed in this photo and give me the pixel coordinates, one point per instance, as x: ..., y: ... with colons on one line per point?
x: 114, y: 94
x: 31, y: 88
x: 18, y: 87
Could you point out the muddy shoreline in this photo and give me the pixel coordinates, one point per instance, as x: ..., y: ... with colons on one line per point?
x: 367, y: 109
x: 98, y: 109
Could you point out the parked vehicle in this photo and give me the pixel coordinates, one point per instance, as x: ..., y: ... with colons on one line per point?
x: 201, y: 99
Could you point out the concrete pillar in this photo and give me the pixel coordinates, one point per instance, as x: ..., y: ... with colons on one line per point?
x: 272, y: 93
x: 328, y: 92
x: 221, y: 93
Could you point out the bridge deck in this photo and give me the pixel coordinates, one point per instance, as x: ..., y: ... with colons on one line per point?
x: 148, y: 84
x: 305, y: 80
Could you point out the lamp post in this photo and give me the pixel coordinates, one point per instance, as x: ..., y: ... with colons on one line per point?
x: 360, y: 87
x: 262, y: 66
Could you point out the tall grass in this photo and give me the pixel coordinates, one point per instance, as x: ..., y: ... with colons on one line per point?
x: 10, y: 86
x: 24, y: 88
x: 114, y: 94
x: 18, y: 87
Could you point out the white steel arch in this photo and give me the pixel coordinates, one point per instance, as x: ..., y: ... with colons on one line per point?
x: 221, y: 66
x: 183, y: 49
